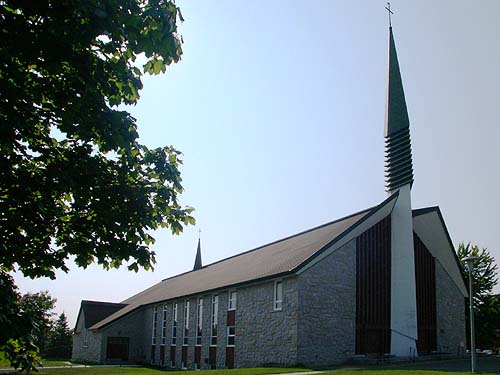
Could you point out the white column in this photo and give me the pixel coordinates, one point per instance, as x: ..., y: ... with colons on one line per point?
x: 403, y: 290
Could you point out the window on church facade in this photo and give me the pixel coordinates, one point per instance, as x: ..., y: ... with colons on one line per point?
x: 215, y: 313
x: 85, y: 338
x: 164, y: 325
x: 155, y: 322
x: 186, y: 323
x: 278, y: 295
x: 199, y: 321
x: 232, y: 300
x: 231, y: 334
x: 174, y: 324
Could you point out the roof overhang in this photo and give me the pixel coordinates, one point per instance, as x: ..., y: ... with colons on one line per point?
x: 429, y: 225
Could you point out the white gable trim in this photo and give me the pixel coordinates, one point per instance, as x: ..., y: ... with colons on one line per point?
x: 378, y: 213
x: 431, y: 230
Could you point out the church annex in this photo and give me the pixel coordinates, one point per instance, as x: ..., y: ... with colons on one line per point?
x: 385, y: 280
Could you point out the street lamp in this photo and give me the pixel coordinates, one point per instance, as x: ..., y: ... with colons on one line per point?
x: 470, y: 266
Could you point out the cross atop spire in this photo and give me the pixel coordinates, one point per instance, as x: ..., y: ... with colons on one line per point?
x: 388, y: 7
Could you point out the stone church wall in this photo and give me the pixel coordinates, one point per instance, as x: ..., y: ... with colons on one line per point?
x: 91, y: 351
x: 263, y: 335
x: 131, y: 326
x: 327, y: 309
x: 450, y: 314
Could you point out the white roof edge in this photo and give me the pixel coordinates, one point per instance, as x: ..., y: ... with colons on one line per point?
x: 372, y: 218
x: 431, y: 230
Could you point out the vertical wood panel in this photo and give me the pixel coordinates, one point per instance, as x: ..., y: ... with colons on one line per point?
x: 212, y: 357
x: 197, y: 356
x: 184, y: 355
x: 425, y: 279
x: 229, y: 357
x: 373, y: 289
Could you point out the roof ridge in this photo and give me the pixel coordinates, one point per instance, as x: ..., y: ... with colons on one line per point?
x: 85, y: 301
x: 276, y: 241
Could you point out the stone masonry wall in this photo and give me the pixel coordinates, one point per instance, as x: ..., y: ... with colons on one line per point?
x: 450, y: 314
x: 327, y: 309
x: 263, y: 335
x: 131, y: 326
x: 86, y: 353
x: 89, y: 353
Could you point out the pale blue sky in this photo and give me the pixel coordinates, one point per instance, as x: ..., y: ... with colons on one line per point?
x: 278, y: 107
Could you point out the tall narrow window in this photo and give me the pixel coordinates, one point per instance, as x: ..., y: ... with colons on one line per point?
x: 278, y: 295
x: 174, y: 324
x: 85, y: 338
x: 215, y: 313
x: 164, y: 325
x: 232, y: 300
x: 199, y: 321
x: 186, y: 323
x: 231, y: 334
x: 155, y: 322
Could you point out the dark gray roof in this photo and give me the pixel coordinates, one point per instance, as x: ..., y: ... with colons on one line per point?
x: 95, y: 311
x: 271, y: 260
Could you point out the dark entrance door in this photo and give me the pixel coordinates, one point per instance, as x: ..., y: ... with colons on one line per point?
x: 212, y: 357
x: 117, y: 348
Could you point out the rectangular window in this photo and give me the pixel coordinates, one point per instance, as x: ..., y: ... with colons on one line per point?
x: 215, y: 313
x: 232, y: 300
x: 199, y: 321
x: 231, y: 334
x: 278, y: 295
x: 164, y: 325
x: 85, y: 338
x: 186, y: 323
x: 155, y: 322
x: 174, y: 324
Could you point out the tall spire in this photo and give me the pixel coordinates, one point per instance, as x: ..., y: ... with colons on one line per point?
x: 398, y: 161
x: 197, y: 260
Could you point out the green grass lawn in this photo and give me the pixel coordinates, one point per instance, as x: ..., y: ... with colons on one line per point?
x: 103, y: 370
x: 252, y: 371
x: 46, y: 362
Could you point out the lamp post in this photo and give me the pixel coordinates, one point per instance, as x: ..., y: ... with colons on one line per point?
x: 470, y: 266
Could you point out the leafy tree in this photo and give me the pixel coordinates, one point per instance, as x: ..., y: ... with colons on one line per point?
x: 75, y: 183
x: 486, y: 305
x: 484, y: 273
x: 487, y: 319
x: 16, y: 328
x: 39, y: 306
x: 74, y: 180
x: 60, y: 340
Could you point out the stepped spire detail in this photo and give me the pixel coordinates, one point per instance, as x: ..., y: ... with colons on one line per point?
x: 398, y: 160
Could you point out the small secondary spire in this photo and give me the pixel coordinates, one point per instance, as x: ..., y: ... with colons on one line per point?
x: 197, y: 260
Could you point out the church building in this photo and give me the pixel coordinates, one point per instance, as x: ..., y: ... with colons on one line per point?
x: 382, y: 281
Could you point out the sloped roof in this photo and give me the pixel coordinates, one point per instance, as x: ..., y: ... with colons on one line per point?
x: 95, y: 311
x: 275, y: 259
x: 429, y: 225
